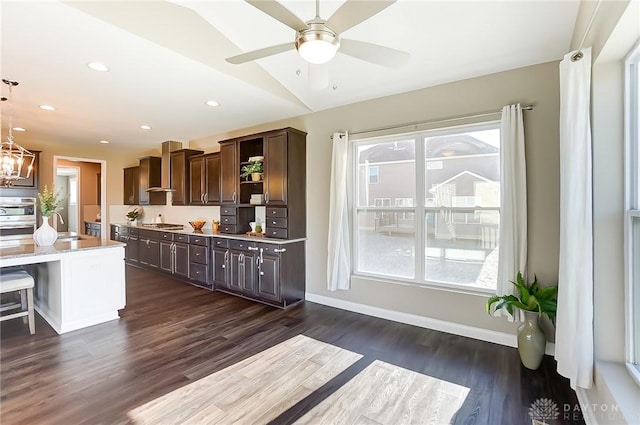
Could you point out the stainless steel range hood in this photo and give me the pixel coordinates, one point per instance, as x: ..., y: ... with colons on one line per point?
x: 167, y: 148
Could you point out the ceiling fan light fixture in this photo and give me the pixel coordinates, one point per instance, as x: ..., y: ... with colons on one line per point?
x: 317, y: 46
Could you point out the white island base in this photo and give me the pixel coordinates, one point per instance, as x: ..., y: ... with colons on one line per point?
x: 78, y: 286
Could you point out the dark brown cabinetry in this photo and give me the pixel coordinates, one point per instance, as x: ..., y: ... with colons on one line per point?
x: 229, y: 172
x: 150, y: 176
x: 199, y: 261
x: 174, y: 255
x: 92, y: 229
x: 205, y: 179
x: 181, y: 175
x: 270, y: 273
x: 131, y: 191
x: 149, y: 248
x: 128, y: 235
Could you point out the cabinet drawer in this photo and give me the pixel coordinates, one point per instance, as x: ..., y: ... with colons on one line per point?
x: 273, y: 232
x: 199, y: 272
x: 276, y: 212
x: 149, y: 234
x: 180, y: 238
x: 240, y: 245
x: 229, y: 228
x: 198, y: 240
x: 123, y: 230
x: 220, y: 243
x: 166, y: 236
x: 227, y: 219
x: 134, y: 231
x: 198, y: 254
x: 228, y: 210
x: 277, y: 222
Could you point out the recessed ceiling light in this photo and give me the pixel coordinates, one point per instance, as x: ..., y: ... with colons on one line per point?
x: 19, y: 129
x: 104, y: 142
x: 212, y: 103
x: 47, y: 107
x: 145, y: 127
x: 97, y: 66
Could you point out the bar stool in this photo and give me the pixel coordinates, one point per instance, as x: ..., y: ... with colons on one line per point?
x: 18, y: 280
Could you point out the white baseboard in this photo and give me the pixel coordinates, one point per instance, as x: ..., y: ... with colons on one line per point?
x: 588, y: 415
x: 501, y: 338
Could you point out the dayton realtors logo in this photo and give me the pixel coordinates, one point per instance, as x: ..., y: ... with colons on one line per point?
x: 543, y: 409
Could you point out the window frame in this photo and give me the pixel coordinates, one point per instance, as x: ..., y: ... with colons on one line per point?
x: 632, y: 211
x: 419, y: 209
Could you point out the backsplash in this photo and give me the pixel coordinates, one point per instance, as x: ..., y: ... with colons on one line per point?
x: 176, y: 214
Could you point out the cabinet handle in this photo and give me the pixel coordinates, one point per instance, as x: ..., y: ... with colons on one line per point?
x: 148, y: 243
x: 273, y: 212
x: 280, y: 250
x: 266, y: 197
x: 234, y: 197
x: 202, y: 198
x: 241, y: 259
x: 226, y: 258
x: 274, y: 222
x: 252, y: 248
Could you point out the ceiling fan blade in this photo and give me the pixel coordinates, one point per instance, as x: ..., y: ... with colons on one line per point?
x: 353, y: 12
x: 279, y: 13
x: 374, y: 53
x: 260, y: 53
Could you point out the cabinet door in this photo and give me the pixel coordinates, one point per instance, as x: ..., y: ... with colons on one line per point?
x: 166, y: 256
x: 181, y: 260
x: 197, y: 177
x: 269, y: 277
x: 248, y: 274
x: 143, y: 195
x: 130, y: 193
x: 178, y: 179
x: 234, y: 270
x: 229, y: 172
x: 220, y: 267
x: 132, y: 250
x: 275, y: 169
x: 212, y: 174
x: 149, y: 253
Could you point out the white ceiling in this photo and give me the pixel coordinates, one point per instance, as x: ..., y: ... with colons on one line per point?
x: 167, y: 59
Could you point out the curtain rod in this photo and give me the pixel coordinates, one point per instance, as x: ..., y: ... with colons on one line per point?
x: 462, y: 117
x: 578, y: 55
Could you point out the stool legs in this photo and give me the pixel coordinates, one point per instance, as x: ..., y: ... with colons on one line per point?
x: 32, y: 319
x: 23, y: 304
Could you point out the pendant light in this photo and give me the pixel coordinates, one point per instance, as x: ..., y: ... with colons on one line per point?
x: 16, y: 162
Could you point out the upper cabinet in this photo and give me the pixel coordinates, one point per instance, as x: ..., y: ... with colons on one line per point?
x: 181, y: 175
x: 131, y: 190
x: 283, y: 182
x: 151, y: 176
x: 205, y: 183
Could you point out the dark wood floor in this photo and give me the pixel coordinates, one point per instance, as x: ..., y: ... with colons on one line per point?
x: 172, y: 334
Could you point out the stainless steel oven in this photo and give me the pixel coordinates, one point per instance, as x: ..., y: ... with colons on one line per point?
x: 17, y: 217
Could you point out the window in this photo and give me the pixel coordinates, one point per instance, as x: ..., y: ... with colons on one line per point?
x: 632, y: 219
x: 73, y: 191
x: 443, y: 223
x: 374, y: 174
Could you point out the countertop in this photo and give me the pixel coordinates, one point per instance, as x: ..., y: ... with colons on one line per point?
x: 27, y: 247
x: 209, y: 233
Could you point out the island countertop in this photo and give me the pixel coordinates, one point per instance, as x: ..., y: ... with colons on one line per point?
x: 13, y: 249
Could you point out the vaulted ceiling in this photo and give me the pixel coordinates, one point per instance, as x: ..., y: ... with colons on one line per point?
x: 166, y: 59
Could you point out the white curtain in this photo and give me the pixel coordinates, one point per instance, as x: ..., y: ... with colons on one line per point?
x: 513, y: 204
x: 574, y: 319
x: 339, y: 247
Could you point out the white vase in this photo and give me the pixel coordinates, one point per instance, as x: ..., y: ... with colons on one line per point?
x: 45, y: 235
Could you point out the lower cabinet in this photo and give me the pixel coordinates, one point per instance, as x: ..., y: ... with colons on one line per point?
x: 270, y: 273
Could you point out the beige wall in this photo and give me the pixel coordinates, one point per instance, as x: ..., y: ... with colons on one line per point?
x: 536, y: 85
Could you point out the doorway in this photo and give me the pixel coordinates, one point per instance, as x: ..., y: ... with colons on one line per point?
x: 67, y: 185
x: 86, y: 200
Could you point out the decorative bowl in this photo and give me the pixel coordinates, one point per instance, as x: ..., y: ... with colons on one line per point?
x: 197, y: 224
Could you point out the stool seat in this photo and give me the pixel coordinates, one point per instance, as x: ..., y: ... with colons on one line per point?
x: 15, y: 281
x: 19, y: 281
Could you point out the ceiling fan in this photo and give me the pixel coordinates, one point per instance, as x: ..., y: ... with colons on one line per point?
x: 317, y: 40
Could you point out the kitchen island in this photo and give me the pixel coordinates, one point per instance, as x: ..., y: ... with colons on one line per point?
x: 80, y: 281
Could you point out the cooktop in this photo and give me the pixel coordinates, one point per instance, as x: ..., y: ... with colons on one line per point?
x: 165, y: 226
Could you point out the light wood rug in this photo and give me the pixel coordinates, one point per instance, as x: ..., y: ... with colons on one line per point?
x: 260, y: 388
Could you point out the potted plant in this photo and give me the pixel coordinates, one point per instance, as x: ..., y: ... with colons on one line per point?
x: 534, y: 301
x: 134, y: 214
x: 254, y: 169
x: 50, y: 204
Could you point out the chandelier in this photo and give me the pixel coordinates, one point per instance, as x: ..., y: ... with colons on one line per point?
x: 16, y: 163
